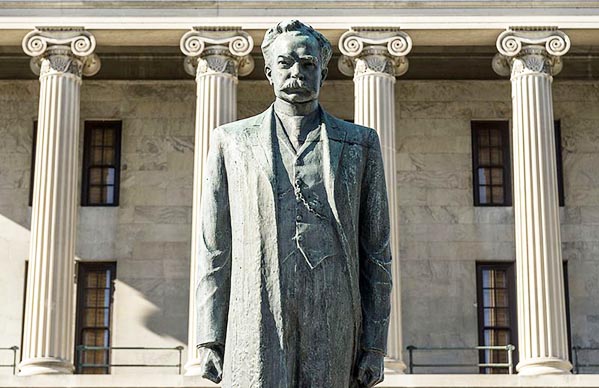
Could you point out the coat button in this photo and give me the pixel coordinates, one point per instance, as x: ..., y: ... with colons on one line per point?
x: 298, y: 217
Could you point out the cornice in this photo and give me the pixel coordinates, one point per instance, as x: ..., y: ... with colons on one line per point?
x: 322, y: 4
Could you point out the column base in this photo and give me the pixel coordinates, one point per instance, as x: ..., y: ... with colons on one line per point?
x: 45, y: 366
x: 543, y: 366
x: 394, y: 367
x: 193, y: 367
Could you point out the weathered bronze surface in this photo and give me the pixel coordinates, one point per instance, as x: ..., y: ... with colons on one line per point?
x: 294, y: 274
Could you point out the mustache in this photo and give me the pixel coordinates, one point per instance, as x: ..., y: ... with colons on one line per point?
x: 294, y: 84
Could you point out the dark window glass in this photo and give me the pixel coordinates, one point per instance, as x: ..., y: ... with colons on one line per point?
x: 567, y: 297
x: 101, y: 163
x: 94, y: 313
x: 496, y: 313
x: 558, y: 159
x: 491, y: 163
x: 23, y: 312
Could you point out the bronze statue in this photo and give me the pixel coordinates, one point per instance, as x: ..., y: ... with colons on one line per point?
x: 294, y: 275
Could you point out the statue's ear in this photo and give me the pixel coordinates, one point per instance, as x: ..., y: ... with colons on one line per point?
x: 268, y: 72
x: 324, y: 75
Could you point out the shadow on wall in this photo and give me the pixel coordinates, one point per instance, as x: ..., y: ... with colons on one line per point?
x: 14, y: 248
x: 146, y: 312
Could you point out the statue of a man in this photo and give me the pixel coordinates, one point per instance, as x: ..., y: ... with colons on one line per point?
x: 294, y: 272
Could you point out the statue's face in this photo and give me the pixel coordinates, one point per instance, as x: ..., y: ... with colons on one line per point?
x: 295, y: 68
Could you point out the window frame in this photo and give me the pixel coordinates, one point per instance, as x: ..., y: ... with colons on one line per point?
x: 504, y: 127
x: 84, y: 267
x: 89, y: 126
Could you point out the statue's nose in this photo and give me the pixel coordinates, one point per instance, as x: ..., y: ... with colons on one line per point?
x: 295, y: 71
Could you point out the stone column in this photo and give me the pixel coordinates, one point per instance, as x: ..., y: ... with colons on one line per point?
x: 374, y: 57
x: 532, y: 57
x: 60, y: 57
x: 216, y: 57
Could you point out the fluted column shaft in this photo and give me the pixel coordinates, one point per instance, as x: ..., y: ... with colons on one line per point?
x: 216, y: 69
x: 49, y: 316
x: 375, y: 108
x: 374, y: 68
x: 542, y: 342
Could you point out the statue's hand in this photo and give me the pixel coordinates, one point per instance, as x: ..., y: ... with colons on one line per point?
x: 371, y: 369
x: 211, y: 364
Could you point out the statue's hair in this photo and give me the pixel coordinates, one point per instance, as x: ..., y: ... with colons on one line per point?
x: 293, y: 25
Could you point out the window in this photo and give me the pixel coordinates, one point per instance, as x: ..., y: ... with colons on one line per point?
x: 95, y: 289
x: 32, y: 169
x: 496, y: 312
x: 491, y: 163
x: 101, y: 163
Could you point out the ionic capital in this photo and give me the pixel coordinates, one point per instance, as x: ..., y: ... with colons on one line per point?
x: 61, y: 50
x: 374, y: 50
x: 224, y: 50
x: 530, y: 50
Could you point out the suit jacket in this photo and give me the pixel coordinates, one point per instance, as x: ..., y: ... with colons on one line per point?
x: 238, y: 292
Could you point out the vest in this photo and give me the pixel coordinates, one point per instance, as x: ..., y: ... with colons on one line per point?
x: 304, y: 217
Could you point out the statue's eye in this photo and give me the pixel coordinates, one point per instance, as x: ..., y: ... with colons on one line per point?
x: 283, y: 63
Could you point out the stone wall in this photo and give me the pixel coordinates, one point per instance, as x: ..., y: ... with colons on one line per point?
x: 442, y: 234
x: 18, y: 108
x: 576, y: 106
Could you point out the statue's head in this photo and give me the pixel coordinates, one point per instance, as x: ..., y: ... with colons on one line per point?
x: 296, y: 58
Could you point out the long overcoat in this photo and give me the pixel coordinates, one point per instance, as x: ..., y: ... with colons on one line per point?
x: 238, y: 292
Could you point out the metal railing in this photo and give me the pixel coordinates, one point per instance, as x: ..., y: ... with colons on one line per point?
x: 576, y: 359
x: 14, y: 359
x: 508, y: 348
x: 81, y: 349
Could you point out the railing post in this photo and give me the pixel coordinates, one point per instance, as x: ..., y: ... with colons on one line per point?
x: 14, y: 359
x: 510, y: 358
x: 180, y: 349
x: 79, y: 357
x: 575, y: 358
x: 411, y: 349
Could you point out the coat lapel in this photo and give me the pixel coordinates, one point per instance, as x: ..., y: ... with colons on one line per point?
x: 333, y: 142
x: 260, y: 141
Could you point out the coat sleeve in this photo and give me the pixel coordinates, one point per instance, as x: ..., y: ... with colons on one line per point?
x: 214, y: 250
x: 374, y: 251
